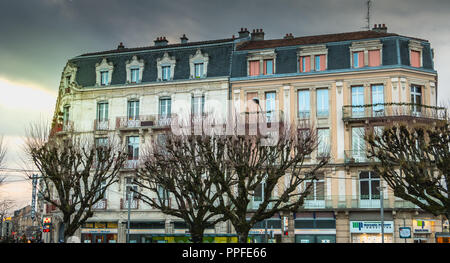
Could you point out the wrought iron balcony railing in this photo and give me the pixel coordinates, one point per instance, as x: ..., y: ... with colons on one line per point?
x: 100, y: 205
x: 354, y: 157
x: 135, y: 121
x: 383, y: 110
x: 101, y: 125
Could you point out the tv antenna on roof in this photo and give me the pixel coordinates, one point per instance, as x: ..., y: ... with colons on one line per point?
x: 369, y: 5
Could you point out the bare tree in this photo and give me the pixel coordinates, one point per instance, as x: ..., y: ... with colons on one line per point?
x: 176, y: 169
x: 75, y: 172
x: 268, y: 167
x: 414, y: 160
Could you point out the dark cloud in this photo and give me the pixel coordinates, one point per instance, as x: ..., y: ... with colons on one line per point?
x: 37, y: 37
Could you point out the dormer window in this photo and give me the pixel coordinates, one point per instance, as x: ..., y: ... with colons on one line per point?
x: 198, y: 70
x: 198, y: 64
x: 134, y: 68
x: 134, y: 75
x: 166, y: 67
x: 366, y: 53
x: 268, y: 67
x: 312, y: 58
x: 104, y: 78
x: 104, y: 72
x: 261, y: 63
x: 67, y: 82
x: 166, y: 73
x: 415, y: 53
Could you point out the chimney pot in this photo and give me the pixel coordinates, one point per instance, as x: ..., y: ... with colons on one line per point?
x: 257, y: 34
x: 120, y: 46
x: 161, y: 41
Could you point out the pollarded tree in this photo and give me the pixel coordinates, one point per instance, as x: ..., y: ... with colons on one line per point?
x: 268, y: 165
x: 174, y: 179
x: 414, y: 160
x: 76, y: 173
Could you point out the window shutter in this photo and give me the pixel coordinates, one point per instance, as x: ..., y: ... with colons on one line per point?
x: 374, y: 58
x: 254, y: 68
x: 415, y: 58
x: 323, y: 62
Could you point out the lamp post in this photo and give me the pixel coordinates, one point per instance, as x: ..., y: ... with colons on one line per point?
x: 381, y: 189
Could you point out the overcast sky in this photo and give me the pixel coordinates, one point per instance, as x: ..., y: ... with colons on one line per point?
x: 37, y: 37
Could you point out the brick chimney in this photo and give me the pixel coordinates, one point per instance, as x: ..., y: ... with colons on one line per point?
x: 380, y: 28
x: 257, y: 34
x: 184, y: 39
x: 120, y: 46
x: 288, y: 36
x: 161, y: 41
x: 244, y: 33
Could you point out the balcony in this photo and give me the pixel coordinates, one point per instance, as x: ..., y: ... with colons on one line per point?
x: 131, y: 164
x: 396, y: 111
x: 100, y: 205
x: 354, y: 202
x: 163, y: 121
x: 134, y: 203
x: 102, y: 125
x: 142, y: 121
x: 355, y: 157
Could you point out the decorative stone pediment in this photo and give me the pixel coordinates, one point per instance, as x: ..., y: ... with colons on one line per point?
x: 134, y: 63
x: 166, y: 60
x: 68, y: 77
x: 312, y: 50
x: 104, y: 65
x: 199, y: 57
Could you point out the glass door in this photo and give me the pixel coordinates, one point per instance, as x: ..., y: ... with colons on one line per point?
x: 377, y: 101
x: 357, y: 102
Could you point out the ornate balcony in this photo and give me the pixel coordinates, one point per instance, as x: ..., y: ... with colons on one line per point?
x: 100, y: 205
x: 131, y: 164
x: 102, y: 125
x: 393, y: 111
x: 134, y: 203
x: 355, y: 157
x: 333, y: 202
x: 141, y: 121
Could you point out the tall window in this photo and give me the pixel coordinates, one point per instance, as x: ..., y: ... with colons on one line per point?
x: 102, y: 111
x: 254, y: 67
x: 133, y: 147
x: 104, y: 77
x: 378, y: 100
x: 303, y: 104
x: 324, y: 142
x: 358, y: 144
x: 101, y: 142
x: 198, y: 105
x: 322, y: 102
x: 305, y: 64
x: 374, y: 58
x: 268, y: 66
x: 165, y: 107
x: 270, y: 106
x: 416, y: 98
x: 66, y: 111
x: 134, y: 75
x: 130, y: 188
x: 368, y: 184
x: 357, y: 100
x: 198, y: 70
x: 166, y: 72
x: 358, y: 59
x: 133, y: 110
x: 259, y: 193
x: 317, y: 190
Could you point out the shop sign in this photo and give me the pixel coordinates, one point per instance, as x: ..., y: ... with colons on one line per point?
x: 371, y: 227
x: 405, y: 232
x: 98, y: 231
x: 422, y: 226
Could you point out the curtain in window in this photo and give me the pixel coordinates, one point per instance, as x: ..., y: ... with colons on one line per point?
x: 374, y: 58
x: 357, y: 100
x: 378, y: 98
x: 254, y: 68
x: 322, y: 102
x: 303, y: 104
x: 415, y: 58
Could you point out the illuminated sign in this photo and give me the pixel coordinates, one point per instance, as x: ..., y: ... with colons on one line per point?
x: 47, y: 220
x: 405, y: 232
x: 371, y: 227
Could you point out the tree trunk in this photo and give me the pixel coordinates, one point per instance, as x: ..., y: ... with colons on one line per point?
x: 243, y: 236
x: 196, y: 235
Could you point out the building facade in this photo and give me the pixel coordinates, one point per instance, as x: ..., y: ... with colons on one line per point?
x: 342, y: 84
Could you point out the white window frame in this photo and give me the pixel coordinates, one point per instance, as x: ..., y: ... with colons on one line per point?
x: 311, y: 52
x: 103, y: 66
x: 134, y: 64
x: 365, y: 46
x: 198, y: 58
x: 261, y: 56
x: 166, y: 61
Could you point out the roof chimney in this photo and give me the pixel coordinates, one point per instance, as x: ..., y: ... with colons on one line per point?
x: 161, y: 41
x: 243, y: 33
x: 380, y: 28
x: 120, y: 46
x: 257, y: 34
x: 184, y: 39
x: 288, y: 36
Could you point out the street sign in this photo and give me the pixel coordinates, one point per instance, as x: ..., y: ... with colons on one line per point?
x: 405, y: 232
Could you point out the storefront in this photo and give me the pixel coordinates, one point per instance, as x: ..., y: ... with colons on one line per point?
x: 99, y: 232
x: 144, y: 232
x: 370, y: 231
x: 315, y: 227
x: 262, y: 231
